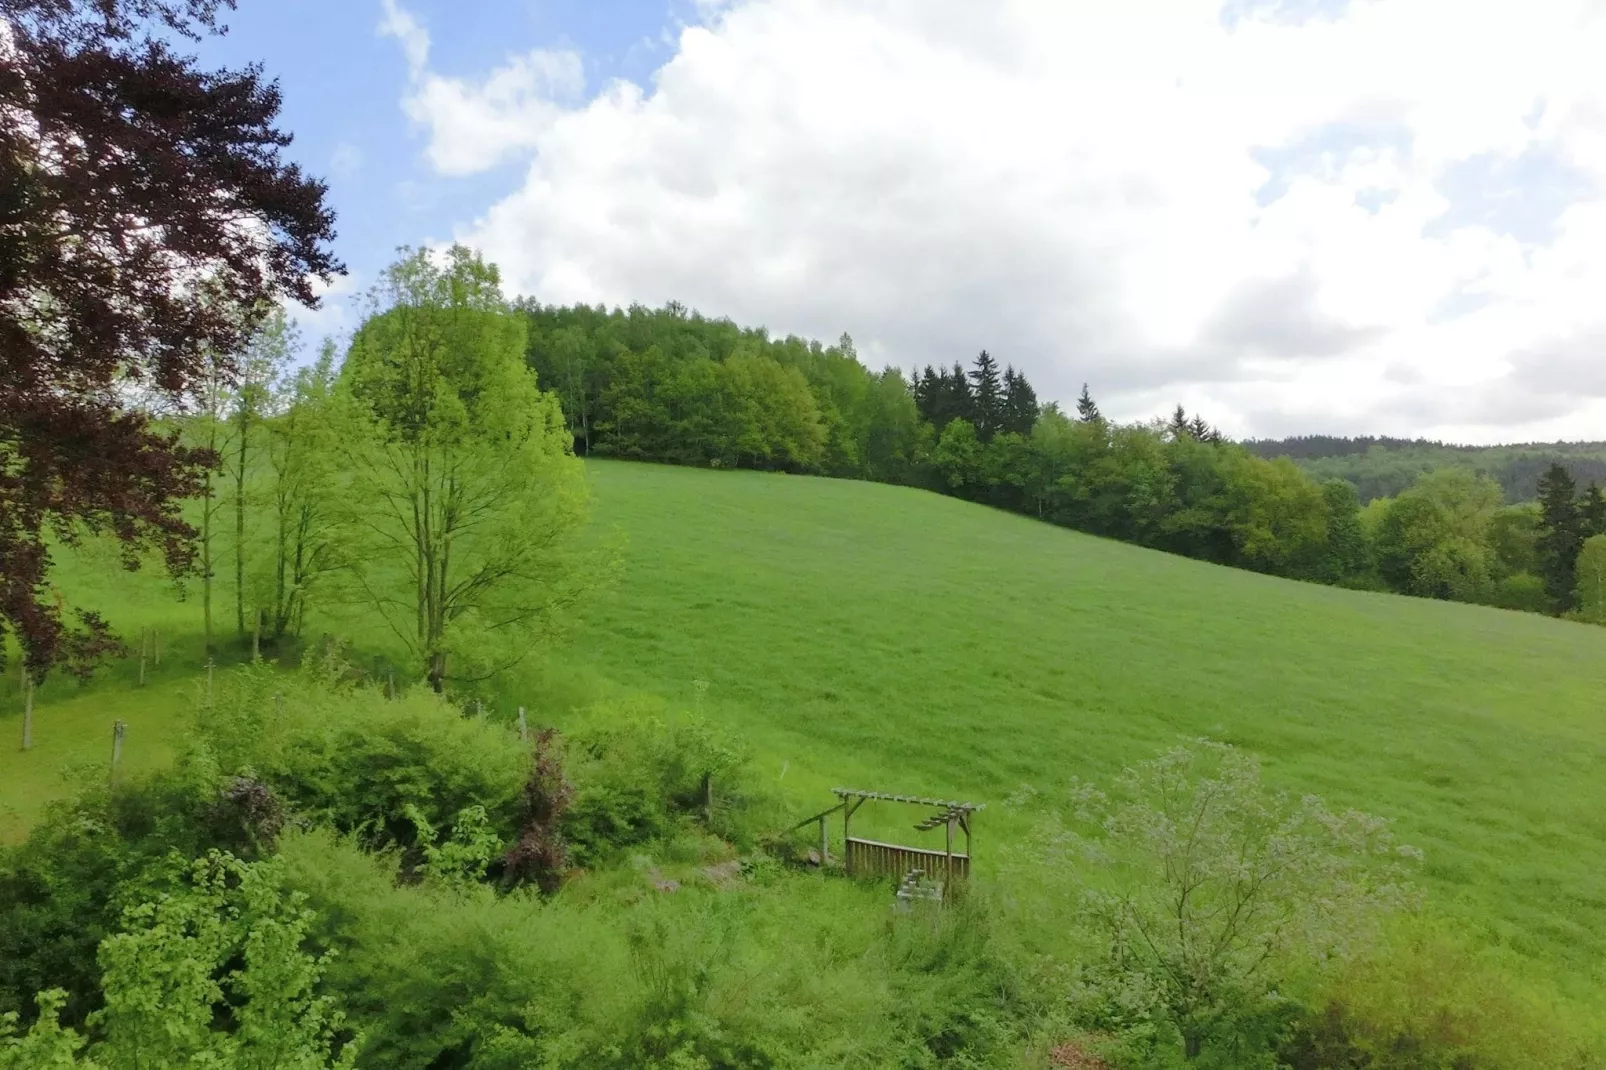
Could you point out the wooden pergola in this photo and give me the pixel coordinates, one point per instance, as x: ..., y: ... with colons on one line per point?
x: 872, y: 858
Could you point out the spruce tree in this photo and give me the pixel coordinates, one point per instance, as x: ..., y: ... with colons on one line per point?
x: 988, y: 395
x: 1592, y: 511
x: 1020, y: 403
x: 1560, y: 535
x: 1179, y: 426
x: 1201, y: 430
x: 961, y: 399
x: 927, y: 390
x: 1086, y: 409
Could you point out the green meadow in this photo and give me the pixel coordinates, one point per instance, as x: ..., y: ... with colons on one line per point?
x: 879, y: 637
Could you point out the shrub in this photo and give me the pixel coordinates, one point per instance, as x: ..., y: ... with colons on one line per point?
x: 346, y: 756
x: 636, y: 775
x: 1204, y: 886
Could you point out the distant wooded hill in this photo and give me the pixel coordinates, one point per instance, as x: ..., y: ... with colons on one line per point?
x: 1381, y: 467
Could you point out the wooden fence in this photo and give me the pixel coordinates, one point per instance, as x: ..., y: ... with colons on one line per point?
x: 871, y: 858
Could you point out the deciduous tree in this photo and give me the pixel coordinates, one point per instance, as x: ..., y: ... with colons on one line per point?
x: 462, y: 495
x: 147, y: 221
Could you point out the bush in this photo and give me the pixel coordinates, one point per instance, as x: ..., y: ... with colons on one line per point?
x: 64, y: 889
x: 1426, y: 1000
x: 637, y: 775
x: 1206, y: 888
x: 1520, y: 590
x: 345, y: 756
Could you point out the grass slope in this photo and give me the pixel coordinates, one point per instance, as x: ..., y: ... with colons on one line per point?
x: 888, y: 638
x: 900, y: 640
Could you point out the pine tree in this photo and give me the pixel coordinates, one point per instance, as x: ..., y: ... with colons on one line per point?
x: 961, y: 399
x: 1086, y: 409
x: 988, y: 394
x: 1020, y: 403
x: 1179, y: 426
x: 1560, y: 534
x: 1592, y: 511
x: 928, y: 389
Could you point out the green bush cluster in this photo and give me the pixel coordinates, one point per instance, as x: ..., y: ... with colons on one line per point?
x: 349, y: 846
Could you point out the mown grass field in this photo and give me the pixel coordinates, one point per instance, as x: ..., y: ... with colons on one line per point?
x: 891, y: 639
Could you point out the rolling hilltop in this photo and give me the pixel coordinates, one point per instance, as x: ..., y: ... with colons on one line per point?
x: 1381, y: 467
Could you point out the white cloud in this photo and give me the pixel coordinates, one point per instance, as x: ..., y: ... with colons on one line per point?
x: 402, y: 25
x: 1250, y: 215
x: 473, y: 126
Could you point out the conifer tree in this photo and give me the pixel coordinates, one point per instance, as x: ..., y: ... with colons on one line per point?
x: 1179, y: 426
x: 960, y: 399
x: 988, y: 396
x: 1560, y: 534
x: 1086, y: 409
x: 1020, y: 403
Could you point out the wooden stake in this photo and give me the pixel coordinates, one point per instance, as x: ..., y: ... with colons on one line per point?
x: 118, y: 729
x: 144, y: 642
x: 27, y: 710
x: 156, y: 645
x: 524, y: 727
x: 209, y: 666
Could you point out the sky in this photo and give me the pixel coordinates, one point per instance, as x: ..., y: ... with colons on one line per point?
x: 1294, y: 216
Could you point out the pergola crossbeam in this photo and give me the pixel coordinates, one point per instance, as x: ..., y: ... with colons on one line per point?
x: 917, y: 800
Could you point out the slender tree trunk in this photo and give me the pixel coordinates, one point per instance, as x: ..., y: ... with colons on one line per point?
x: 206, y: 562
x: 27, y: 710
x: 239, y: 519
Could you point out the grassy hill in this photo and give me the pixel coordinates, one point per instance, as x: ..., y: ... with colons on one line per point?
x: 892, y: 639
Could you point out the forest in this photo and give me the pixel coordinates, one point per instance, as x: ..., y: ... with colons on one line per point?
x: 669, y: 385
x: 1382, y: 467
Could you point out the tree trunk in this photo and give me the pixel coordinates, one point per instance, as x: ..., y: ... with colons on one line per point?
x: 27, y: 711
x: 239, y: 521
x: 206, y: 563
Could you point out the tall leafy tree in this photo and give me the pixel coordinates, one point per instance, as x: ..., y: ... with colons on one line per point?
x: 300, y: 550
x: 147, y: 222
x: 1560, y: 534
x: 1346, y: 552
x: 1590, y: 592
x: 988, y: 393
x: 463, y: 496
x: 260, y: 368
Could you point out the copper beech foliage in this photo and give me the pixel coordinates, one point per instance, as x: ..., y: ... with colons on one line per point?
x: 147, y: 223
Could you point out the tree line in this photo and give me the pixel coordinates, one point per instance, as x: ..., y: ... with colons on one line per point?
x: 1382, y: 467
x: 671, y: 385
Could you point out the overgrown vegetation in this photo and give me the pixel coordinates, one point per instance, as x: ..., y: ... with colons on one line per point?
x: 258, y: 906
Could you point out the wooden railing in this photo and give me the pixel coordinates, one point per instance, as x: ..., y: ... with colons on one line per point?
x: 870, y: 858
